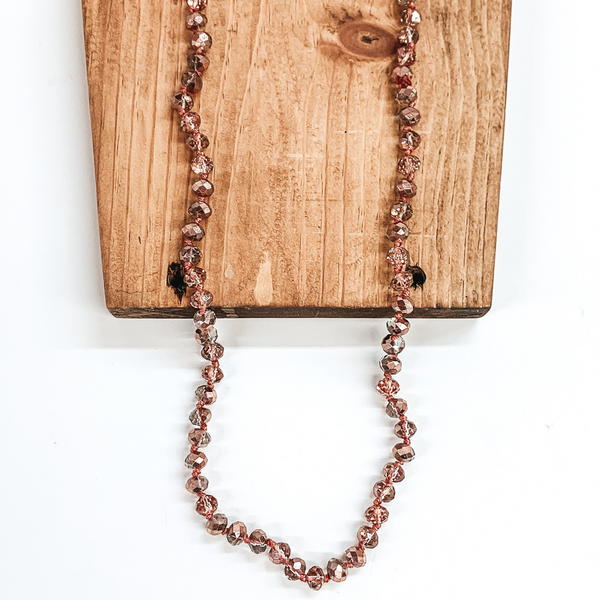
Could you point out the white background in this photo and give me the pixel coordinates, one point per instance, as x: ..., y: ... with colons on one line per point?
x: 502, y: 499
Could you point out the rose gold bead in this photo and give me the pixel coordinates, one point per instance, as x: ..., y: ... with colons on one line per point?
x: 411, y: 429
x: 196, y: 21
x: 279, y: 552
x: 377, y: 514
x: 402, y: 281
x: 393, y: 472
x: 403, y: 305
x: 190, y: 122
x: 197, y: 4
x: 201, y: 41
x: 192, y: 82
x: 212, y: 373
x: 193, y: 232
x: 206, y: 504
x: 368, y: 537
x: 202, y: 165
x: 314, y: 578
x: 198, y: 417
x: 336, y: 570
x: 403, y: 452
x: 206, y: 395
x: 200, y: 210
x: 258, y: 541
x: 196, y: 460
x: 217, y: 524
x: 391, y: 364
x: 203, y: 188
x: 236, y: 533
x: 384, y: 491
x: 399, y: 325
x: 398, y: 231
x: 388, y: 387
x: 356, y: 556
x: 199, y: 437
x: 294, y: 570
x: 396, y: 407
x: 196, y: 485
x: 398, y: 257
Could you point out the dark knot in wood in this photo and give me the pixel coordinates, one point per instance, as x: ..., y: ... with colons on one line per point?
x: 367, y: 40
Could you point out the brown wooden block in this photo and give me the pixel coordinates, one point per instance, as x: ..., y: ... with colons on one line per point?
x: 298, y: 105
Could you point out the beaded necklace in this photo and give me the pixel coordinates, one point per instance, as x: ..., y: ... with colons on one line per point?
x: 217, y: 523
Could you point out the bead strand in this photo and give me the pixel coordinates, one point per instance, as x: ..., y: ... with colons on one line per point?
x: 236, y: 533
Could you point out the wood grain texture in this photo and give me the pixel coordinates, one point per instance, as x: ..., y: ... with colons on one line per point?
x: 298, y: 105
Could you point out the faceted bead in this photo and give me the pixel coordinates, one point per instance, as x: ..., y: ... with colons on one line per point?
x: 196, y: 460
x: 217, y: 524
x: 314, y: 578
x: 396, y: 407
x: 191, y: 81
x: 190, y: 122
x: 200, y: 210
x: 406, y: 56
x: 368, y: 537
x: 208, y: 317
x: 394, y: 472
x: 197, y: 142
x: 198, y: 62
x: 212, y: 351
x: 390, y: 364
x: 393, y: 344
x: 398, y: 256
x: 206, y: 395
x: 193, y: 232
x: 384, y: 491
x: 403, y: 305
x: 203, y: 188
x: 206, y: 335
x: 279, y: 552
x: 196, y: 485
x: 410, y: 140
x: 212, y: 373
x: 258, y: 541
x: 408, y: 35
x: 402, y: 210
x: 201, y: 299
x: 410, y: 16
x: 182, y: 101
x: 356, y: 556
x: 197, y: 4
x: 201, y: 41
x: 197, y: 417
x: 236, y: 533
x: 292, y: 572
x: 403, y: 76
x: 195, y: 21
x: 406, y: 189
x: 399, y: 326
x: 403, y: 452
x: 388, y: 387
x: 411, y: 429
x: 206, y: 504
x: 194, y: 278
x: 402, y: 281
x: 336, y: 570
x: 398, y: 231
x: 190, y: 254
x: 202, y: 165
x: 377, y: 514
x: 406, y: 96
x: 199, y: 437
x: 410, y: 115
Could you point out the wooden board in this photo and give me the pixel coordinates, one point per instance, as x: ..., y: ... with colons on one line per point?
x: 298, y: 105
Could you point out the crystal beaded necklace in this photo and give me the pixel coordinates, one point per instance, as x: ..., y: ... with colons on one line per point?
x: 217, y: 523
